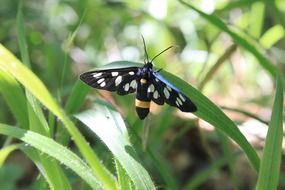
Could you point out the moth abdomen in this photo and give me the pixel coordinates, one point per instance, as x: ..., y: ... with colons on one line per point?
x: 142, y: 108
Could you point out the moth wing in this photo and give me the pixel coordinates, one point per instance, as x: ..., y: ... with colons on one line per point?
x: 122, y: 80
x: 171, y: 95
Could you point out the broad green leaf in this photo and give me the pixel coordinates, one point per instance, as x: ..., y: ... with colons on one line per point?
x: 55, y: 150
x: 207, y: 111
x: 9, y: 63
x: 271, y: 159
x: 110, y: 128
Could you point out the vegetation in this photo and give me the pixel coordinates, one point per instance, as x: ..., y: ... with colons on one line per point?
x: 58, y: 133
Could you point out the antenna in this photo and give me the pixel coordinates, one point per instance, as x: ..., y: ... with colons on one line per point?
x: 161, y: 52
x: 145, y: 50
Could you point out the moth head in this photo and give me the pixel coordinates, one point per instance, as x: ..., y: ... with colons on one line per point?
x: 148, y: 64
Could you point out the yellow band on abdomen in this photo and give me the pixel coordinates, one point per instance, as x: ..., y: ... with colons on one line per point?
x: 142, y: 104
x: 143, y: 81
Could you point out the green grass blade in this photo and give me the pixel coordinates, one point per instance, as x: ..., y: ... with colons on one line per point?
x: 5, y: 152
x: 55, y: 150
x: 207, y: 111
x: 271, y: 159
x: 77, y: 97
x: 49, y: 168
x: 21, y: 36
x: 262, y: 60
x: 110, y: 128
x: 15, y: 98
x: 124, y: 180
x: 9, y: 63
x: 37, y: 120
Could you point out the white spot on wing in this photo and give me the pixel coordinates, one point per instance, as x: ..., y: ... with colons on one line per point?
x: 169, y: 89
x: 127, y: 86
x: 182, y: 97
x: 103, y: 84
x: 150, y: 88
x: 156, y: 80
x: 166, y: 93
x: 97, y: 75
x: 155, y: 94
x: 118, y: 80
x: 115, y: 74
x: 131, y: 73
x: 179, y: 101
x: 100, y: 80
x: 133, y: 84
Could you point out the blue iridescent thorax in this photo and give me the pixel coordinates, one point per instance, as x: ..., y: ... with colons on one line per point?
x: 145, y: 71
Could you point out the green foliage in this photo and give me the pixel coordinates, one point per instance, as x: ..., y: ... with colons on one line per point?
x: 233, y: 51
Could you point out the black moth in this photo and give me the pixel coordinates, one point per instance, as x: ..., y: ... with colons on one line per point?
x: 148, y: 84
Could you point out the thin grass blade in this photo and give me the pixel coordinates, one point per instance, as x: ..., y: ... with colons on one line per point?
x: 6, y: 151
x: 271, y: 159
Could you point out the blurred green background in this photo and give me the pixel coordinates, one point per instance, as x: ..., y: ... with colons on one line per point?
x: 69, y: 37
